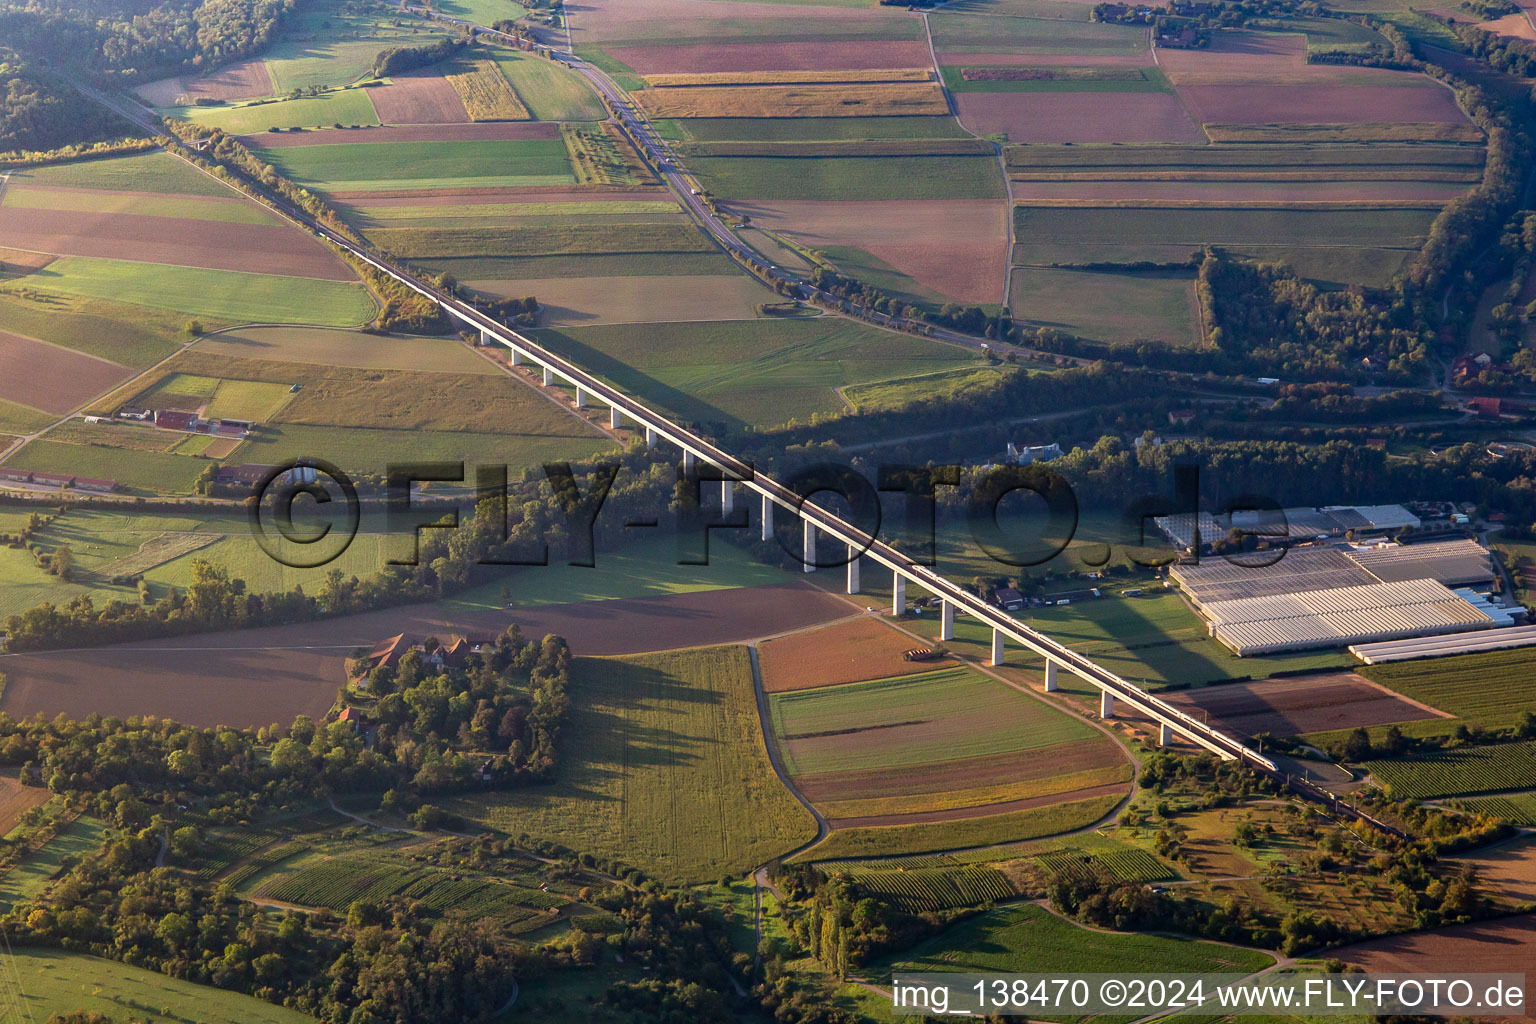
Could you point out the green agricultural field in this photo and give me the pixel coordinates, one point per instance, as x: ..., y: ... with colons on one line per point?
x: 136, y: 472
x: 1152, y: 306
x: 959, y: 33
x: 1491, y: 690
x: 900, y: 840
x: 758, y: 373
x: 970, y: 715
x: 1031, y: 938
x: 223, y: 295
x: 482, y: 12
x: 56, y: 982
x: 1333, y: 33
x: 663, y: 767
x: 1519, y: 809
x: 345, y: 106
x: 334, y: 42
x: 532, y: 268
x: 76, y: 841
x: 929, y: 889
x: 138, y: 204
x: 1061, y: 79
x: 557, y: 238
x: 136, y: 336
x: 371, y: 450
x: 550, y: 90
x: 355, y: 349
x: 1468, y: 770
x: 382, y: 166
x: 861, y: 265
x: 1327, y: 161
x: 388, y: 216
x: 810, y: 129
x: 645, y: 570
x: 849, y: 178
x: 21, y: 419
x: 897, y: 394
x: 146, y: 172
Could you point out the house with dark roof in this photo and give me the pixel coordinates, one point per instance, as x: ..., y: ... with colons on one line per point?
x: 174, y: 419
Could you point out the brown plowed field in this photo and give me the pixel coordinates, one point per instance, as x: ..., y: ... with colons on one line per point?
x: 19, y: 263
x: 1515, y: 25
x: 255, y: 248
x: 586, y: 301
x: 1322, y: 104
x: 819, y: 56
x: 858, y: 100
x: 1509, y: 870
x: 848, y: 652
x: 1079, y: 116
x: 1238, y: 191
x: 675, y: 20
x: 51, y: 378
x: 1251, y: 52
x: 1047, y: 60
x: 956, y: 247
x: 1495, y: 947
x: 16, y: 800
x: 247, y: 80
x: 493, y: 131
x: 418, y: 97
x: 258, y: 676
x: 960, y: 813
x: 1288, y: 707
x: 961, y: 773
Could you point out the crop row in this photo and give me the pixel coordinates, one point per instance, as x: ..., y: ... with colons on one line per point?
x: 936, y: 888
x: 1456, y: 772
x: 1124, y: 865
x: 339, y: 882
x: 1518, y: 810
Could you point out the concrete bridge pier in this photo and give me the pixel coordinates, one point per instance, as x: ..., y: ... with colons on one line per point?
x: 485, y: 338
x: 1106, y: 704
x: 898, y: 594
x: 1050, y: 676
x: 809, y: 553
x: 997, y: 647
x: 615, y: 418
x: 1164, y: 735
x: 517, y: 358
x: 688, y: 460
x: 727, y: 496
x: 549, y: 377
x: 853, y: 569
x: 946, y: 620
x: 767, y: 518
x: 652, y: 438
x: 581, y: 397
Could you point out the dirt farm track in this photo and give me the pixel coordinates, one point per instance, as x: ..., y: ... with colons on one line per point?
x: 260, y: 676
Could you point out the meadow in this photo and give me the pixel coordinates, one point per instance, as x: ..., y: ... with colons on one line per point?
x: 663, y: 767
x: 1152, y: 306
x: 899, y: 840
x: 334, y: 42
x: 56, y: 982
x: 1464, y: 771
x: 850, y: 178
x: 559, y: 237
x: 374, y: 449
x: 344, y: 106
x: 136, y: 472
x: 381, y: 166
x: 759, y: 373
x: 75, y: 841
x: 935, y: 716
x: 551, y: 91
x: 227, y: 210
x: 618, y: 264
x: 146, y: 172
x: 221, y: 295
x: 1031, y: 938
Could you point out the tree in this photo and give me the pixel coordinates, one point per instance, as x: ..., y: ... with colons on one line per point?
x: 186, y: 841
x: 63, y: 562
x: 1358, y: 746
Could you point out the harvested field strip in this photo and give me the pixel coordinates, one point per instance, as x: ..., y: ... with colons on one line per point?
x: 898, y: 99
x: 486, y: 93
x: 553, y: 240
x: 1443, y: 131
x: 1078, y: 116
x: 143, y: 204
x: 893, y: 840
x: 1316, y: 104
x: 1017, y: 79
x: 1130, y: 224
x: 368, y: 214
x: 1373, y: 193
x: 902, y: 817
x: 871, y: 148
x: 788, y: 77
x: 156, y: 552
x: 852, y: 178
x: 815, y: 129
x: 930, y: 889
x: 779, y: 52
x: 849, y: 652
x: 942, y: 779
x: 1469, y: 770
x: 418, y: 97
x: 1121, y: 159
x: 1053, y: 784
x: 1466, y: 176
x: 912, y: 720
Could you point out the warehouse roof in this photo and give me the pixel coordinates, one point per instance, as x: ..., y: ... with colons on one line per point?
x: 1452, y: 562
x: 1216, y: 579
x: 1333, y: 618
x: 1435, y: 646
x: 1180, y: 528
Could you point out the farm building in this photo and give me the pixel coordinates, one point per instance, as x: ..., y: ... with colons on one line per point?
x: 1025, y: 455
x: 1438, y: 646
x: 1008, y: 599
x: 85, y: 483
x: 1338, y: 617
x: 172, y: 419
x: 1180, y: 528
x: 248, y: 473
x: 19, y: 476
x: 134, y: 412
x: 1456, y: 563
x: 59, y: 480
